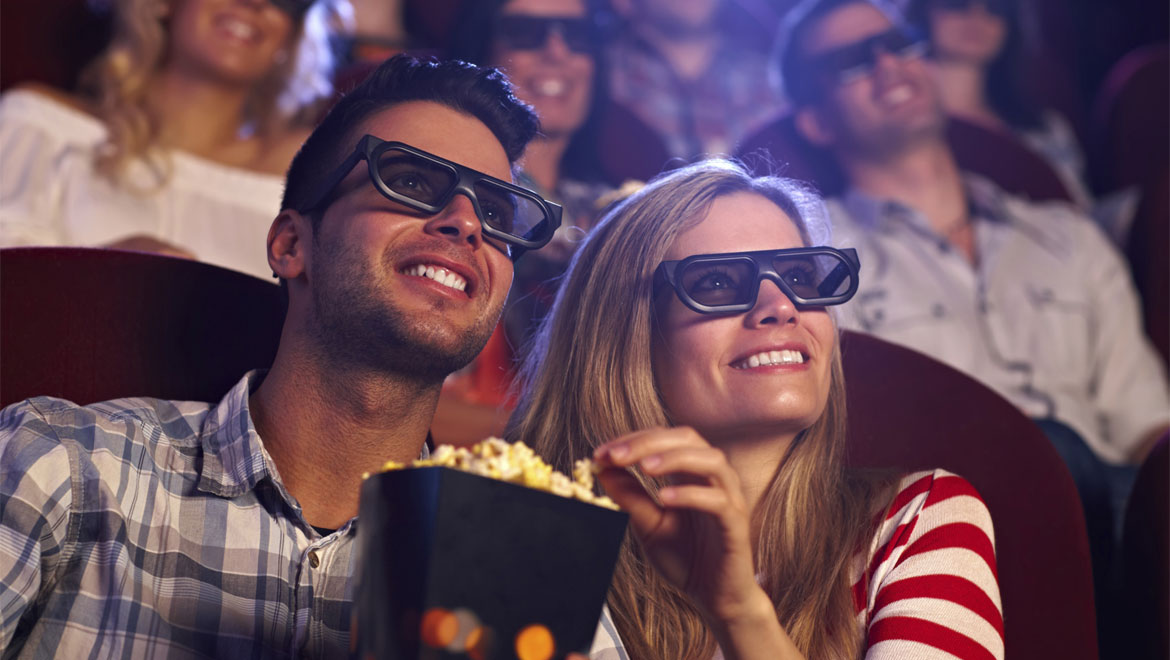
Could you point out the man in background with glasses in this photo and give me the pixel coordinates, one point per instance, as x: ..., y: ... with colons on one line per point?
x: 1030, y: 299
x: 148, y: 528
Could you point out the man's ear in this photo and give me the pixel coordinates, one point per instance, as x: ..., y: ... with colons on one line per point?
x: 811, y: 125
x: 289, y: 238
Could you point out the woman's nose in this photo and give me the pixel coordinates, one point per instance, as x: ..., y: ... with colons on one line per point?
x: 772, y: 307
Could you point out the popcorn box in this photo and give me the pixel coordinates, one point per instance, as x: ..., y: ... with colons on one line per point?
x: 455, y: 565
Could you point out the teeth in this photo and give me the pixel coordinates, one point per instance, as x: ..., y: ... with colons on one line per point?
x: 767, y: 358
x: 238, y: 29
x: 438, y: 274
x: 899, y: 94
x: 550, y: 87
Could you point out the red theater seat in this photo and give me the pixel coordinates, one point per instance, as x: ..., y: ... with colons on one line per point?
x: 89, y: 325
x: 911, y: 412
x: 1146, y: 549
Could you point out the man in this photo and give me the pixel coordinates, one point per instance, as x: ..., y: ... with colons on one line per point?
x: 148, y: 528
x: 679, y: 68
x: 1030, y: 299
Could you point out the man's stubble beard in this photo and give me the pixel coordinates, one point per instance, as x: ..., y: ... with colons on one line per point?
x: 354, y: 325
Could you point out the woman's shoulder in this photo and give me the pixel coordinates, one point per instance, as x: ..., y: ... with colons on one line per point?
x: 916, y: 492
x: 68, y: 116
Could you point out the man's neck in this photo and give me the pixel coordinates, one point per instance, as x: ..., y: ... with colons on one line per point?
x: 324, y: 428
x: 925, y: 178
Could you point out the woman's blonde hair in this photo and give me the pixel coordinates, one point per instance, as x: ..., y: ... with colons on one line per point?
x: 588, y: 379
x: 120, y: 77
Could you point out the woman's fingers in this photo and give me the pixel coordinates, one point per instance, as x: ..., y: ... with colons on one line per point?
x: 633, y: 447
x: 623, y: 488
x: 690, y: 464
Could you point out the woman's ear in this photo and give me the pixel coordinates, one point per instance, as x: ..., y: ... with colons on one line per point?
x: 812, y: 127
x: 288, y: 241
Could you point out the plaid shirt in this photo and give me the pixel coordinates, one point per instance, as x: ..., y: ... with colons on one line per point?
x: 711, y: 114
x: 146, y: 528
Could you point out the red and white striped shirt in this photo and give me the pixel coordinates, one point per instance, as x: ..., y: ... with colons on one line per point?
x: 926, y: 588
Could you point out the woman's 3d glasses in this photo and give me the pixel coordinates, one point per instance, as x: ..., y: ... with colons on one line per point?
x: 858, y: 60
x: 518, y: 32
x: 426, y: 183
x: 728, y: 283
x: 294, y: 8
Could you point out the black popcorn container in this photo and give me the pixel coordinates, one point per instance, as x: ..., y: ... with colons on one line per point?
x: 455, y: 565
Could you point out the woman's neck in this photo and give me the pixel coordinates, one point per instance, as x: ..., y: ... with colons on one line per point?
x: 755, y: 460
x: 963, y: 88
x: 196, y: 115
x: 542, y: 161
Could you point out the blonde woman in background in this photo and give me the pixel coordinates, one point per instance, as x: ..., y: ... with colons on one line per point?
x: 690, y: 351
x: 180, y: 136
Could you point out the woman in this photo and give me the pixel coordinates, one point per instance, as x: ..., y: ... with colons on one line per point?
x: 549, y: 50
x: 181, y: 135
x: 718, y: 419
x: 978, y: 55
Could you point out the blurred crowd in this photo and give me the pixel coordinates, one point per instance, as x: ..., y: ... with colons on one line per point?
x: 167, y: 126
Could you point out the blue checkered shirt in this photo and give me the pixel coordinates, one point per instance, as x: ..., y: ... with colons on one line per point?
x: 143, y: 528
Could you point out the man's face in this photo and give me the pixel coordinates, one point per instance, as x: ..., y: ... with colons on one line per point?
x: 871, y: 110
x: 398, y: 290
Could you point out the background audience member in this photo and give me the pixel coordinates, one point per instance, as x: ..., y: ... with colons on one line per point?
x: 688, y: 69
x: 1030, y: 299
x: 749, y: 539
x: 549, y: 50
x: 179, y: 137
x: 978, y: 53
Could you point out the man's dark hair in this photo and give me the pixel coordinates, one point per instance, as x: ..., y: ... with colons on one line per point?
x: 801, y: 84
x: 481, y: 92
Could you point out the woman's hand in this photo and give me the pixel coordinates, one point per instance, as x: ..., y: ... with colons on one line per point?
x: 697, y: 531
x: 697, y: 534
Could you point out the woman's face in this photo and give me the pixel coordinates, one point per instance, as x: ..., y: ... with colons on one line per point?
x: 970, y: 34
x: 551, y: 75
x: 702, y: 362
x: 238, y: 41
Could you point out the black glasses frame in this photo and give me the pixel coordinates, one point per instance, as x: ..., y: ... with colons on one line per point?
x: 371, y: 148
x: 763, y: 263
x: 910, y: 44
x: 580, y: 34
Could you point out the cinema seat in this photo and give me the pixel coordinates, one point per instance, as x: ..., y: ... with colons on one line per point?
x: 910, y: 412
x: 90, y: 324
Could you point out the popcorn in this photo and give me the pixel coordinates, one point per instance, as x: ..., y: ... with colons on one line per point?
x: 515, y: 463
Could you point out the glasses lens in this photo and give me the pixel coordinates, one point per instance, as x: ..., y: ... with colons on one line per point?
x: 814, y: 277
x: 523, y: 32
x: 719, y: 283
x: 415, y: 178
x: 511, y: 213
x: 578, y: 34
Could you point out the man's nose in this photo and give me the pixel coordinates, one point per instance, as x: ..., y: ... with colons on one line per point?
x: 457, y: 221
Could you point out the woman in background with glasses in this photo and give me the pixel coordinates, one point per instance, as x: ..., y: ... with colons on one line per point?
x: 180, y: 136
x: 550, y: 51
x: 978, y: 52
x: 692, y: 353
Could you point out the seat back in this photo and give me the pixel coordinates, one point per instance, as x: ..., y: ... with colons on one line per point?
x: 90, y: 325
x: 1146, y: 547
x: 911, y: 412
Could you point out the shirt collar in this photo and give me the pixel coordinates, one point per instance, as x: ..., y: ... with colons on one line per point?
x: 234, y: 460
x: 987, y: 202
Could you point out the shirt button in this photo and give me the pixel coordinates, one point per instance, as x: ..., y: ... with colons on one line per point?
x: 314, y: 559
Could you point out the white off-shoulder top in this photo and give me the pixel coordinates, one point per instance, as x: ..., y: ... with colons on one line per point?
x: 51, y: 195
